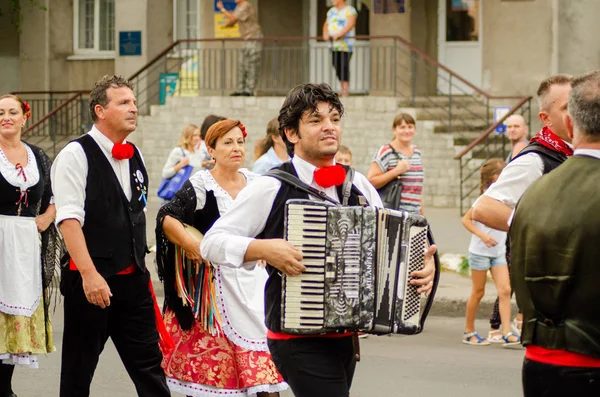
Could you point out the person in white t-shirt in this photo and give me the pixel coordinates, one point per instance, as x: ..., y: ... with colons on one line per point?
x: 487, y: 251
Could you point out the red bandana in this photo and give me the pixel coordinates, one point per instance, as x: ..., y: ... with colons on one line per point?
x: 330, y: 176
x: 550, y: 140
x: 122, y: 151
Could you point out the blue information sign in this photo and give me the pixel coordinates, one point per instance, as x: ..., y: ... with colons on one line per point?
x: 229, y: 5
x: 130, y: 43
x: 499, y: 112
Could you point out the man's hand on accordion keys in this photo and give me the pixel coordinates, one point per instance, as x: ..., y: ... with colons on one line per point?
x: 424, y: 278
x: 278, y: 253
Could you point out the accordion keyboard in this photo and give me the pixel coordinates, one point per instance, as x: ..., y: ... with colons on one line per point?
x: 303, y: 302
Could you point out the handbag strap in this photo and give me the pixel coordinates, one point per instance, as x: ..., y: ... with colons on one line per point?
x: 297, y: 183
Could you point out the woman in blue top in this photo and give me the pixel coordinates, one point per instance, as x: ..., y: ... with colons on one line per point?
x: 339, y: 27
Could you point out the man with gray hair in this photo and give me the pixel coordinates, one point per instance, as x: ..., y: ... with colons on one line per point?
x: 554, y: 246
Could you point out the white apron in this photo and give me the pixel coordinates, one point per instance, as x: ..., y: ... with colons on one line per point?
x: 20, y: 266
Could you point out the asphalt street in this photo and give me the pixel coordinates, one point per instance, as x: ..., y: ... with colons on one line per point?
x: 434, y: 363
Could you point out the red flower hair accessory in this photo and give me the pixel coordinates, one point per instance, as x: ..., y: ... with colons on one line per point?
x: 326, y: 177
x: 27, y: 111
x: 241, y: 127
x: 122, y: 151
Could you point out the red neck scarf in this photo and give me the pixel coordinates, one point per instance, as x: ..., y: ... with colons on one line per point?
x: 550, y: 140
x: 122, y: 151
x: 326, y: 177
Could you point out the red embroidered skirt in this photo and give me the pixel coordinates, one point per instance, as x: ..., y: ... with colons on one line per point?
x: 206, y: 365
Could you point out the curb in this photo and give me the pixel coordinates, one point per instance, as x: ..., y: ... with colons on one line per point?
x: 446, y: 307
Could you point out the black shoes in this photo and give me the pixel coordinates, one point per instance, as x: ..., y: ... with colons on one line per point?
x: 241, y: 94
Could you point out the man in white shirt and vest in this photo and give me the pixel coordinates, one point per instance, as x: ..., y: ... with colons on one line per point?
x: 310, y: 125
x: 546, y: 151
x: 101, y: 187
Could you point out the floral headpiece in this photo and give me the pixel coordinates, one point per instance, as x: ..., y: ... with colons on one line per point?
x: 241, y: 127
x: 27, y: 110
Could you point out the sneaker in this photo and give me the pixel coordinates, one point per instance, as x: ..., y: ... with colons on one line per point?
x: 363, y: 336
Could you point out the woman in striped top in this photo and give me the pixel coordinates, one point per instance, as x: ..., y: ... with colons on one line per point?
x: 400, y: 159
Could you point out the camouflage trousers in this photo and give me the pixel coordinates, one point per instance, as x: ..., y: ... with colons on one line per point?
x: 249, y: 67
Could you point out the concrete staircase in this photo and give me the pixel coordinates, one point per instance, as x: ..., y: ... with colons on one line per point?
x: 367, y: 124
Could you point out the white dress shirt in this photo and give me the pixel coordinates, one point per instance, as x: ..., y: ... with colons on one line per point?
x: 516, y: 177
x: 227, y: 240
x: 587, y: 152
x: 69, y: 177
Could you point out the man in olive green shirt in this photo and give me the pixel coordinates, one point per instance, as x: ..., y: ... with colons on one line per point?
x: 249, y: 58
x: 555, y: 259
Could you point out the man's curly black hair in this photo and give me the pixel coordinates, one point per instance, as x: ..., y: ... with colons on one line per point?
x: 301, y: 99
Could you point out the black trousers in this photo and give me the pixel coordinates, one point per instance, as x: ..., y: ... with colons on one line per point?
x: 6, y: 374
x: 315, y: 367
x: 129, y: 321
x: 341, y: 62
x: 545, y: 380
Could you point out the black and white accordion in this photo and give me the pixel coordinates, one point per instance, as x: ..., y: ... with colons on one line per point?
x: 358, y: 264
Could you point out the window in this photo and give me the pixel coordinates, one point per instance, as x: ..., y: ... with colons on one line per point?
x: 94, y: 27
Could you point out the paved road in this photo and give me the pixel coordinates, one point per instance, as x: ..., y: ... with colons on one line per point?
x: 435, y: 363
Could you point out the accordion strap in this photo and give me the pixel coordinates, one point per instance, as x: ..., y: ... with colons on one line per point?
x: 297, y: 183
x: 347, y: 186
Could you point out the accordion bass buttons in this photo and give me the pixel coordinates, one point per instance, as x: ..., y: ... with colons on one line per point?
x: 331, y: 268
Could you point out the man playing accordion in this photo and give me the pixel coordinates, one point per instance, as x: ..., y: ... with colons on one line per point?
x: 253, y: 229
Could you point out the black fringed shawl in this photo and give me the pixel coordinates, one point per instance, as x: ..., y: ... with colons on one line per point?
x: 183, y: 208
x: 53, y: 247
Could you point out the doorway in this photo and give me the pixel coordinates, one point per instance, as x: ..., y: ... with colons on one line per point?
x: 321, y: 69
x: 459, y: 44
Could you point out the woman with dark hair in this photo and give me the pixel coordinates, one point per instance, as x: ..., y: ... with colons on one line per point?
x: 273, y: 151
x: 206, y: 124
x: 27, y: 263
x: 215, y: 315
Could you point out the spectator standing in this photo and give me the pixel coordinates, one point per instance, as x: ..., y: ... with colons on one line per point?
x: 206, y: 124
x: 400, y: 159
x: 273, y: 150
x: 339, y: 27
x: 516, y: 132
x: 344, y: 156
x: 249, y: 62
x: 187, y: 152
x: 487, y: 251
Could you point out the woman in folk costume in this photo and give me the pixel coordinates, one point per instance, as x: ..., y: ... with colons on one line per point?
x: 215, y: 316
x: 29, y: 245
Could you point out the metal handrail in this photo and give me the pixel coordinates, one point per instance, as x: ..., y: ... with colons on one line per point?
x: 54, y: 111
x: 404, y: 42
x: 492, y: 128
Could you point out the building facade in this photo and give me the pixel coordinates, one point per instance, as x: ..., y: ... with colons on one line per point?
x: 505, y: 47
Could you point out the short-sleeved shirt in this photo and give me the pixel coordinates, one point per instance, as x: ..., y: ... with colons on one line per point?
x: 337, y: 20
x: 412, y: 180
x: 247, y: 21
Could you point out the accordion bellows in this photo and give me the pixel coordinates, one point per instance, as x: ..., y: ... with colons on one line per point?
x: 358, y: 261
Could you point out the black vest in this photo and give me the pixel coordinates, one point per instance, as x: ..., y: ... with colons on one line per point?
x: 114, y: 227
x: 274, y: 229
x: 12, y: 194
x: 550, y: 158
